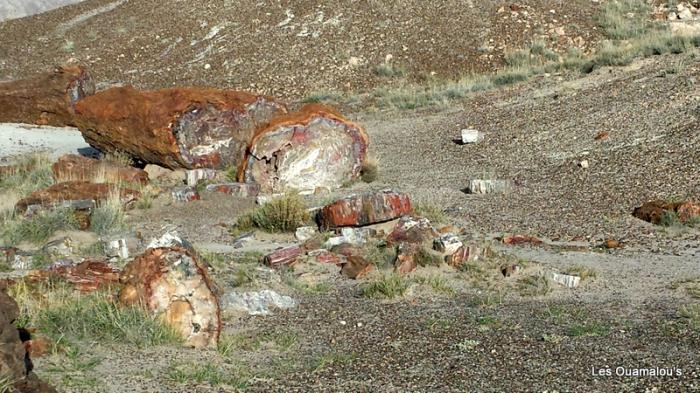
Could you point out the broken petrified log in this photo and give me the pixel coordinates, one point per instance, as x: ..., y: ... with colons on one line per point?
x: 74, y: 167
x: 174, y: 284
x: 46, y: 99
x: 175, y: 128
x: 243, y: 190
x: 313, y: 148
x: 78, y: 195
x: 656, y: 211
x: 15, y: 363
x: 364, y: 209
x: 86, y: 276
x: 283, y: 257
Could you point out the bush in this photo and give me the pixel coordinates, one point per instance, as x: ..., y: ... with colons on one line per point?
x: 388, y: 287
x: 108, y: 217
x: 38, y: 228
x: 32, y: 173
x: 284, y: 214
x: 624, y: 19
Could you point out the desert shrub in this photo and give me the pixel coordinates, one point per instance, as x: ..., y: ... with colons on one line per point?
x: 624, y: 19
x: 389, y: 71
x: 432, y: 212
x: 32, y: 173
x: 370, y: 170
x: 531, y: 286
x: 109, y: 217
x: 389, y: 286
x: 38, y: 228
x: 510, y: 76
x: 283, y: 214
x: 427, y: 257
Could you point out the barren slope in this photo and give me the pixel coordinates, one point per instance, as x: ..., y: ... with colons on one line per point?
x: 287, y: 48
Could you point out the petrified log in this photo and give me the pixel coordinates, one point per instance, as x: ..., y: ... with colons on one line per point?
x: 175, y: 128
x: 364, y: 209
x: 174, y: 284
x: 314, y: 148
x: 15, y: 362
x: 46, y: 99
x: 411, y: 230
x: 86, y: 276
x: 74, y: 167
x: 243, y: 190
x: 406, y: 259
x: 283, y: 257
x: 79, y: 195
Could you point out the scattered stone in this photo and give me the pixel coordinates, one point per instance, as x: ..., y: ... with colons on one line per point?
x: 471, y: 136
x: 411, y: 230
x: 171, y: 240
x: 174, y: 284
x: 325, y: 256
x: 78, y: 195
x: 243, y: 239
x: 583, y: 164
x: 258, y: 303
x: 191, y: 128
x: 73, y: 167
x: 602, y: 135
x: 406, y: 258
x: 462, y: 255
x: 194, y: 176
x: 313, y: 148
x: 283, y: 257
x: 242, y: 190
x: 448, y: 243
x: 365, y: 209
x: 565, y: 279
x: 45, y: 99
x: 185, y: 194
x: 15, y: 361
x: 611, y: 243
x: 305, y: 233
x: 62, y: 247
x: 477, y: 186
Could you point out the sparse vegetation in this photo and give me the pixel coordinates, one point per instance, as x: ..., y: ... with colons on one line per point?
x: 432, y: 212
x: 283, y: 214
x: 38, y: 228
x: 211, y: 374
x: 6, y: 384
x: 467, y: 345
x: 145, y: 200
x: 625, y: 19
x: 535, y: 285
x: 427, y: 257
x: 63, y: 315
x: 333, y: 358
x: 389, y: 286
x: 589, y: 329
x: 32, y: 173
x: 386, y: 70
x: 691, y: 315
x: 436, y: 283
x: 119, y: 158
x: 322, y: 97
x: 370, y: 170
x: 109, y: 217
x: 581, y: 271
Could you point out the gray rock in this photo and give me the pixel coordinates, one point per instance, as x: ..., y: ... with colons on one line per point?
x: 305, y: 233
x: 471, y: 136
x: 565, y: 279
x: 257, y: 303
x: 478, y: 186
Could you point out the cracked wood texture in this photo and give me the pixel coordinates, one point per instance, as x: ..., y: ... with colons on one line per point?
x: 45, y: 99
x: 175, y: 128
x: 304, y: 151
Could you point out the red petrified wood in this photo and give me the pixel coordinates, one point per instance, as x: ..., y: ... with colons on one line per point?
x: 365, y: 209
x: 311, y: 149
x: 79, y: 195
x: 174, y: 284
x: 175, y: 128
x: 75, y: 167
x: 45, y: 99
x: 283, y: 257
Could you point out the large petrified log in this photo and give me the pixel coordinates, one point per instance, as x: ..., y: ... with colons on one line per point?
x: 174, y: 284
x: 46, y: 99
x: 175, y: 128
x: 313, y: 148
x: 15, y: 364
x: 74, y: 167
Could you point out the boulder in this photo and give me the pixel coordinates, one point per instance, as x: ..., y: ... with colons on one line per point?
x: 194, y: 176
x: 447, y: 243
x: 406, y: 258
x: 173, y: 283
x: 304, y: 151
x: 654, y: 211
x: 471, y: 136
x: 365, y: 209
x: 175, y: 128
x: 45, y: 99
x: 74, y: 167
x: 79, y: 195
x: 356, y: 267
x: 258, y: 303
x: 15, y: 362
x: 411, y: 230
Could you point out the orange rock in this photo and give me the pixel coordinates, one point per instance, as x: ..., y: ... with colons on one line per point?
x: 356, y: 267
x: 521, y: 239
x: 611, y: 243
x: 74, y: 167
x: 174, y: 284
x: 365, y: 209
x: 86, y: 276
x: 406, y: 258
x: 602, y: 135
x: 80, y: 195
x: 688, y: 211
x: 313, y: 148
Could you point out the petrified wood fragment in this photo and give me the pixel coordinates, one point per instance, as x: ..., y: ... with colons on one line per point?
x: 78, y: 195
x: 45, y: 99
x: 364, y: 209
x: 175, y: 128
x: 174, y: 284
x: 311, y: 149
x: 75, y: 167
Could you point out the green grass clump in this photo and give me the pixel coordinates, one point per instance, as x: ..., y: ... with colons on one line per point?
x: 208, y: 373
x: 389, y: 71
x: 625, y: 19
x: 32, y: 172
x: 510, y: 76
x: 531, y: 286
x: 322, y: 97
x: 427, y: 257
x: 432, y: 212
x: 595, y: 329
x: 108, y: 218
x: 691, y: 315
x: 283, y: 214
x: 436, y: 284
x: 38, y: 228
x: 62, y: 314
x: 581, y: 271
x: 389, y: 286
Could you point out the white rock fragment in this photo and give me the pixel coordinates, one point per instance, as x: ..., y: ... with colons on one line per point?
x: 583, y: 164
x: 258, y: 303
x: 305, y: 233
x: 448, y: 244
x: 194, y: 176
x: 170, y: 239
x: 471, y: 136
x: 566, y: 280
x: 685, y: 14
x: 478, y: 186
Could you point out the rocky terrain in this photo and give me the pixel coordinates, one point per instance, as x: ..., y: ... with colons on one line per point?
x: 429, y: 233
